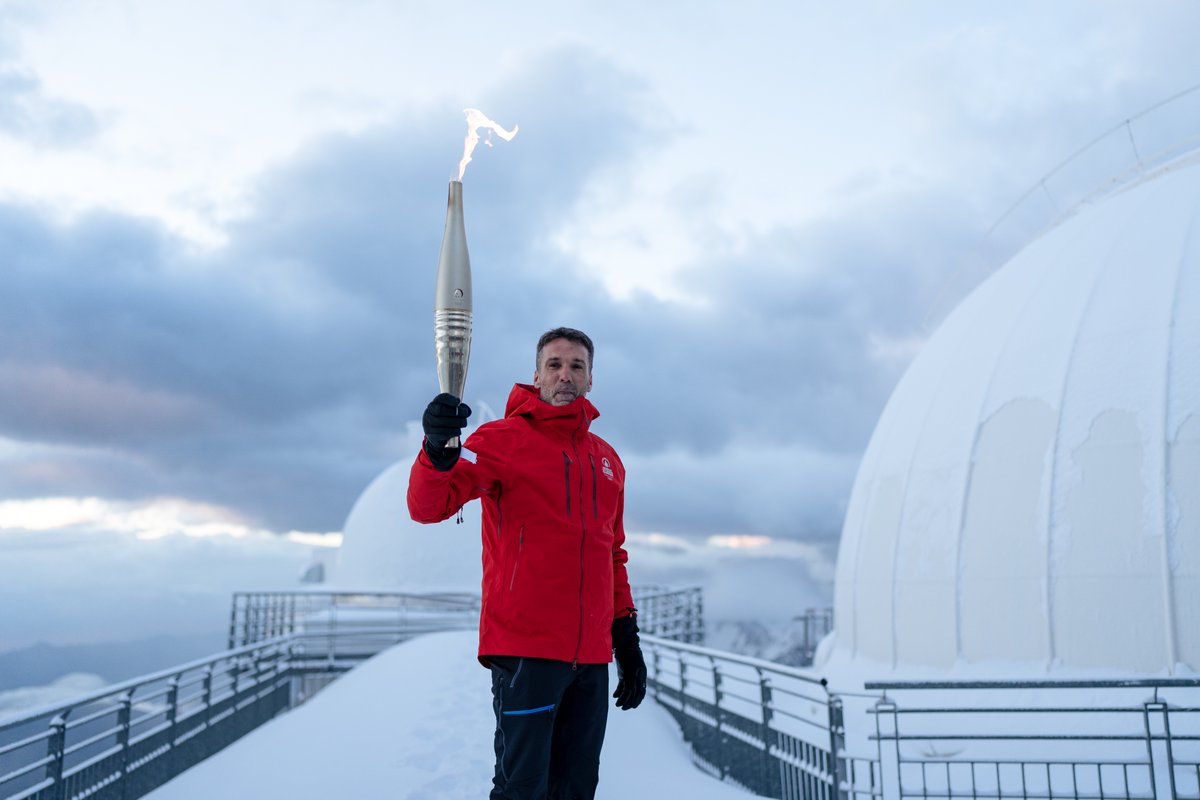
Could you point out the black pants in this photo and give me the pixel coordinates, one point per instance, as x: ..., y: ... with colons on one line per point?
x: 550, y: 721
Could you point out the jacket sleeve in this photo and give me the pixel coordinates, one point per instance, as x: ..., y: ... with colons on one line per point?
x: 434, y: 495
x: 622, y: 596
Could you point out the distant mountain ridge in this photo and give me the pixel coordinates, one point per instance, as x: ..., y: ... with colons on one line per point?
x: 780, y: 641
x: 42, y: 664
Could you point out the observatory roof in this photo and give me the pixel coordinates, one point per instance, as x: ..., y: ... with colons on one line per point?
x: 1031, y: 493
x: 383, y: 549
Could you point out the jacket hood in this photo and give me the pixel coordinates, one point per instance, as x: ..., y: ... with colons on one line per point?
x: 526, y: 400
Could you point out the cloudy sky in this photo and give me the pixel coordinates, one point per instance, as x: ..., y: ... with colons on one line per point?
x: 219, y: 225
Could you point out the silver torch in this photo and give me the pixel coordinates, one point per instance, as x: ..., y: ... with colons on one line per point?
x: 452, y: 302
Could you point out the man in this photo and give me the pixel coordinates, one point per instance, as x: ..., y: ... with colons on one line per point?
x: 556, y: 599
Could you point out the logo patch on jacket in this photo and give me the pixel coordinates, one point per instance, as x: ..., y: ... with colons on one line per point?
x: 606, y: 468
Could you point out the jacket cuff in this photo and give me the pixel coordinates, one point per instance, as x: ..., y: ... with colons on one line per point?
x: 441, y: 459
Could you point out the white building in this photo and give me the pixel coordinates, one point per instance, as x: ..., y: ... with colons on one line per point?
x: 1030, y: 499
x: 384, y: 550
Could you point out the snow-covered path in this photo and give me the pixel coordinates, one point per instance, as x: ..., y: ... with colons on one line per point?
x: 415, y: 723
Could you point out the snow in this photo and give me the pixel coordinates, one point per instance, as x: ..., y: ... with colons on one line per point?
x: 415, y: 723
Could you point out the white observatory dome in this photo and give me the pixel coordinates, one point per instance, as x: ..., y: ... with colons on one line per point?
x: 1031, y: 494
x: 383, y: 549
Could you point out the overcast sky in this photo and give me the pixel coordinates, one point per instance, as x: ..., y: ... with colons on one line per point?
x: 219, y: 225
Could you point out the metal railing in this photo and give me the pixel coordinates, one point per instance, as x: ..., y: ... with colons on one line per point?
x: 771, y: 729
x: 775, y: 730
x: 1130, y: 150
x: 1085, y: 740
x: 780, y: 732
x: 676, y: 614
x: 815, y: 623
x: 125, y: 740
x: 360, y: 624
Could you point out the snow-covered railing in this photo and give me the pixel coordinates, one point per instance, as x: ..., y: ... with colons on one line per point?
x: 334, y: 631
x: 779, y: 732
x: 1123, y: 153
x: 815, y: 625
x: 361, y: 623
x: 676, y: 614
x: 772, y: 729
x: 1040, y: 739
x: 355, y: 625
x: 125, y: 740
x: 1155, y: 139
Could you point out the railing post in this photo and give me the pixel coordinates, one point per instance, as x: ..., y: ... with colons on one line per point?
x: 124, y: 714
x: 208, y: 682
x: 249, y: 613
x: 233, y: 613
x: 838, y: 774
x: 253, y: 618
x: 56, y: 747
x: 1155, y: 714
x: 720, y: 734
x: 887, y: 729
x: 764, y: 692
x: 172, y: 721
x: 332, y: 638
x: 685, y: 724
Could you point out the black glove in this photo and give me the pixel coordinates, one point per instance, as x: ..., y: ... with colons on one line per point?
x: 631, y: 667
x: 444, y: 418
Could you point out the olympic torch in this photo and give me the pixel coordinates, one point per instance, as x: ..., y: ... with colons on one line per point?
x: 452, y: 302
x: 452, y: 305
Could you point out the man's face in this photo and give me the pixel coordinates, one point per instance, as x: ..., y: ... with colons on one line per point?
x: 563, y: 372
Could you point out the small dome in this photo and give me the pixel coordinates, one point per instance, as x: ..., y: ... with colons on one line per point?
x: 1031, y: 493
x: 383, y: 549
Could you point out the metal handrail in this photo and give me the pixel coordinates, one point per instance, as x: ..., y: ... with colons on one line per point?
x: 768, y: 727
x: 134, y: 735
x: 725, y: 656
x: 1136, y: 148
x: 1138, y: 165
x: 134, y: 683
x: 1128, y: 683
x: 142, y: 731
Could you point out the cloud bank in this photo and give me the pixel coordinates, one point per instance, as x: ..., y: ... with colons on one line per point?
x: 274, y: 376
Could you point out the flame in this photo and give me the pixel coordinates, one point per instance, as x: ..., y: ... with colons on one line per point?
x: 476, y: 119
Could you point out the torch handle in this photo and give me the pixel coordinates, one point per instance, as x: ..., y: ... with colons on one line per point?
x: 452, y: 341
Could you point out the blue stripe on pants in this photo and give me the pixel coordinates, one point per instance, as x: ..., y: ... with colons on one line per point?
x: 528, y: 711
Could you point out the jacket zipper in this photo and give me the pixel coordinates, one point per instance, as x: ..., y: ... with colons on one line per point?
x: 582, y: 540
x: 516, y: 561
x: 595, y: 505
x: 567, y: 478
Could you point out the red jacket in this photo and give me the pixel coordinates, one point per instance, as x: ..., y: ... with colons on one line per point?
x: 553, y: 497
